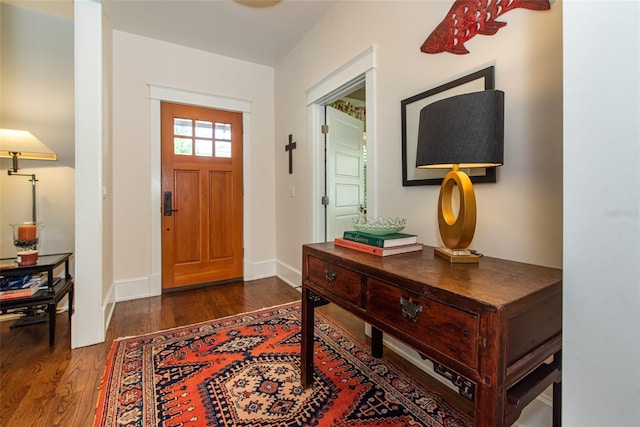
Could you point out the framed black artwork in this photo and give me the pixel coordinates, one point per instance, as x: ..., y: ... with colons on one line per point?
x: 410, y: 110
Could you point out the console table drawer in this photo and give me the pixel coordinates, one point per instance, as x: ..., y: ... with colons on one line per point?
x: 448, y: 330
x: 339, y: 281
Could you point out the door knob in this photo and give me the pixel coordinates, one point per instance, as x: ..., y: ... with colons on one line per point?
x: 168, y: 209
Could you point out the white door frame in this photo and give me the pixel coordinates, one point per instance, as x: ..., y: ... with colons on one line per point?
x: 361, y: 69
x: 180, y: 96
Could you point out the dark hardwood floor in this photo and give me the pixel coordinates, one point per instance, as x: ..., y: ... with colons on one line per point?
x: 42, y: 386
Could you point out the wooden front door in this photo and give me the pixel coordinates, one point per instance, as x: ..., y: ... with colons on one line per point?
x: 201, y: 195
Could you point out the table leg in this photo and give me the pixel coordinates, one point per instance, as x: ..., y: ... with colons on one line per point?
x: 557, y: 393
x: 51, y: 308
x: 71, y: 296
x: 489, y: 406
x: 306, y: 343
x: 376, y: 342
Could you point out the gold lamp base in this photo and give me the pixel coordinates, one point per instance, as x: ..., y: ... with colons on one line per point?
x: 456, y: 256
x: 457, y: 231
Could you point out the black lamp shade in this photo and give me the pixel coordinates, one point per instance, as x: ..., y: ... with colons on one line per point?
x: 467, y: 130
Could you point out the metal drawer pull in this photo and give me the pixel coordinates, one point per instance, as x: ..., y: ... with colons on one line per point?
x: 410, y: 310
x: 330, y: 275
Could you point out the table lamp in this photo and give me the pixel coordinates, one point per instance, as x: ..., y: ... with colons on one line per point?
x: 460, y: 132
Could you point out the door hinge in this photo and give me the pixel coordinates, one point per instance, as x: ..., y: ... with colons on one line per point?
x: 324, y: 129
x: 325, y: 200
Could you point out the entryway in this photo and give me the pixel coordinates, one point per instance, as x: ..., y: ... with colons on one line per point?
x: 202, y: 206
x: 354, y: 79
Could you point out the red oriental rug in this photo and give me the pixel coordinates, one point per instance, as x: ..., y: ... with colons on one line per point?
x: 244, y: 370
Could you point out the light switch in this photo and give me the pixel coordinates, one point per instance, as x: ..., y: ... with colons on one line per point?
x: 292, y: 191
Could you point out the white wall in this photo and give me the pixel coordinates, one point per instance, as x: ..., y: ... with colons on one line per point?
x: 139, y: 62
x: 36, y: 94
x: 108, y: 296
x: 601, y: 346
x: 93, y: 287
x: 520, y: 216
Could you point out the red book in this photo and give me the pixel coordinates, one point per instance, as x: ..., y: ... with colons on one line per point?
x: 24, y: 294
x: 375, y: 250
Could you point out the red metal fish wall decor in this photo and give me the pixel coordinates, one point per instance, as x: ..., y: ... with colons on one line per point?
x: 466, y: 18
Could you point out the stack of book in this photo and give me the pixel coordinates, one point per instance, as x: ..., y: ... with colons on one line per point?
x: 21, y: 286
x: 385, y: 245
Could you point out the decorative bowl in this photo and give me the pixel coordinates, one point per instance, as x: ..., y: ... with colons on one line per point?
x: 380, y: 226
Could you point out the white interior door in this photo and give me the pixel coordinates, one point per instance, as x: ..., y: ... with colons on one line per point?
x: 345, y: 183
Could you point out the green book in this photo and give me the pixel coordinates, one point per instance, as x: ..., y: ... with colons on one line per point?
x: 382, y: 241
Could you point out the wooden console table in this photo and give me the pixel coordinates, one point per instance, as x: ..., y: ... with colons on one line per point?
x: 493, y: 328
x: 46, y: 299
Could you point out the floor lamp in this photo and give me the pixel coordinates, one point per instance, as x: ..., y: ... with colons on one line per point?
x: 21, y: 144
x: 16, y: 145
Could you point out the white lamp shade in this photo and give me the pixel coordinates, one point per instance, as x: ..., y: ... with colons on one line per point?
x: 24, y: 144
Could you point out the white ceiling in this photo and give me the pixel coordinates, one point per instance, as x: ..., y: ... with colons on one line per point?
x: 62, y: 8
x: 259, y: 31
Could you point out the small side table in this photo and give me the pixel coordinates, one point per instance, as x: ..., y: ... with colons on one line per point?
x: 44, y: 299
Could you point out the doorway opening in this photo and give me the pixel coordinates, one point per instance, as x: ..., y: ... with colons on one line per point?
x: 345, y: 159
x: 356, y: 78
x: 202, y: 195
x: 157, y: 95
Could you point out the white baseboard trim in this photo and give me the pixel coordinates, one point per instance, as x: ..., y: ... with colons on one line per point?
x: 290, y: 275
x: 259, y: 270
x: 144, y: 287
x: 108, y: 307
x: 546, y: 398
x: 133, y: 289
x: 155, y: 285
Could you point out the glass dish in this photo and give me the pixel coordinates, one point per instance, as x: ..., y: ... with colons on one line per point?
x: 380, y: 226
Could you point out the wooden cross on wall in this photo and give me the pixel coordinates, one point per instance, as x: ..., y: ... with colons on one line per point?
x: 290, y: 147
